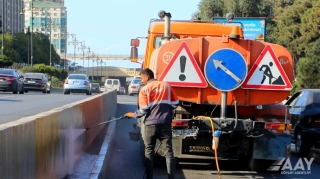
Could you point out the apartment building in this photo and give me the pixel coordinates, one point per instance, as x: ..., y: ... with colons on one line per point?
x: 56, y: 1
x: 13, y: 21
x: 49, y: 18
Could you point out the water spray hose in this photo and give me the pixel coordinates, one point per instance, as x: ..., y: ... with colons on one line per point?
x: 215, y: 141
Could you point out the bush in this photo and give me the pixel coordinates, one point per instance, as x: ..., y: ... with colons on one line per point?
x: 60, y: 74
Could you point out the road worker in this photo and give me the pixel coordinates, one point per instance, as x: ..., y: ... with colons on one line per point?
x: 157, y: 100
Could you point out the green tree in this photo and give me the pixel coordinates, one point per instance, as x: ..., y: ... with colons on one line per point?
x: 297, y: 28
x: 5, y: 61
x: 208, y: 9
x: 16, y: 48
x: 308, y: 68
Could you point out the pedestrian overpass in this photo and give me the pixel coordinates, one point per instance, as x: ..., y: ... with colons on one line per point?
x: 105, y: 72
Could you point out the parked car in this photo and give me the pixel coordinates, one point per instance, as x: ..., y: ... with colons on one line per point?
x: 304, y: 114
x: 95, y: 88
x: 36, y: 82
x: 134, y: 86
x: 11, y: 81
x: 112, y: 84
x: 77, y: 83
x: 102, y: 89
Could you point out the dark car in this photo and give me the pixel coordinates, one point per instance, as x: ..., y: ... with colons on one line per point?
x: 11, y: 81
x: 304, y: 114
x: 36, y: 82
x: 95, y: 88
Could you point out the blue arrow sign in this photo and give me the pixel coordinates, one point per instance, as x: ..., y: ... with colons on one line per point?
x: 225, y: 69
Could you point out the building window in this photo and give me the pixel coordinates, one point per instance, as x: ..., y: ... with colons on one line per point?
x: 55, y: 35
x: 55, y: 14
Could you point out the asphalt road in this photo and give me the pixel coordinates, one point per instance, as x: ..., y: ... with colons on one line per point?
x: 126, y: 163
x: 16, y: 106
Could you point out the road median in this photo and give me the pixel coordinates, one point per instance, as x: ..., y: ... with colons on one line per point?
x: 49, y: 144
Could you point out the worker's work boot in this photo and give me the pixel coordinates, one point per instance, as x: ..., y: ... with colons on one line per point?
x: 171, y: 167
x: 149, y: 168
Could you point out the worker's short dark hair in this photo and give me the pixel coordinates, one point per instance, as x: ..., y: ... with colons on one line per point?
x: 148, y: 72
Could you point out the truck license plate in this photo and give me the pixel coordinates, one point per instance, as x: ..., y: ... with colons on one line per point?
x: 184, y: 132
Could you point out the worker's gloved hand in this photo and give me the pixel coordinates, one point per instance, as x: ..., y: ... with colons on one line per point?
x: 129, y: 114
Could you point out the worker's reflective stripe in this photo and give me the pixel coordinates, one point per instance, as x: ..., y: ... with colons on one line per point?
x: 169, y: 91
x: 144, y: 107
x: 174, y: 103
x: 159, y: 102
x: 143, y: 111
x: 148, y: 95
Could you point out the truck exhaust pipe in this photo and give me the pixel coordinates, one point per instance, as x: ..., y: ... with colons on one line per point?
x: 167, y: 18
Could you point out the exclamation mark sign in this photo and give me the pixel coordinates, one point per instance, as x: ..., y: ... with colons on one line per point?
x: 183, y: 61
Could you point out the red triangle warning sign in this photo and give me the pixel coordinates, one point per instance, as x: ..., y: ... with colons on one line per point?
x: 267, y: 73
x: 183, y: 70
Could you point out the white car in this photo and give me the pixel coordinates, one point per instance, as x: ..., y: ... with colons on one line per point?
x: 77, y: 83
x: 134, y: 86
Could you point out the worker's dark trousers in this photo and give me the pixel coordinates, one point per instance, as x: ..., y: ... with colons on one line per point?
x: 163, y: 132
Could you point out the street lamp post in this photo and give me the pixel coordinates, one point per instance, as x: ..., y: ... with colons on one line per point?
x: 74, y: 42
x: 28, y: 32
x: 50, y: 25
x: 31, y: 33
x: 2, y: 25
x: 88, y: 61
x: 65, y: 35
x: 93, y: 55
x: 31, y: 39
x: 82, y: 47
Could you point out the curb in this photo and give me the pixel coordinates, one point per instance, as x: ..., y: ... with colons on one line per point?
x: 315, y: 153
x: 101, y: 164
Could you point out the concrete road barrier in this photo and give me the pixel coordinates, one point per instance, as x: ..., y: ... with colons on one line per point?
x: 49, y: 144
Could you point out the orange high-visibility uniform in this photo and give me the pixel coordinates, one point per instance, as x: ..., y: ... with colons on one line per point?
x: 157, y: 101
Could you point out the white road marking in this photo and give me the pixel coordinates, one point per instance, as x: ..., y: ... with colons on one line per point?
x: 6, y: 96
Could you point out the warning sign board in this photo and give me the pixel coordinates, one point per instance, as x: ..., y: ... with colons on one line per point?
x: 267, y: 73
x: 183, y: 70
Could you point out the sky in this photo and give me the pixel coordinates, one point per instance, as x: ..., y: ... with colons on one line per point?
x: 107, y: 26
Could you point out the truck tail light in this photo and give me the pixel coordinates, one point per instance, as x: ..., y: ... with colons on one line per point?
x: 316, y: 122
x: 180, y: 123
x: 275, y: 126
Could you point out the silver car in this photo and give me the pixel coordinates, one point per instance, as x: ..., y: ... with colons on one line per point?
x: 77, y: 83
x: 134, y: 86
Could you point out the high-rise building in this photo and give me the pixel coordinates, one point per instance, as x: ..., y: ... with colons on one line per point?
x: 49, y: 18
x: 13, y: 22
